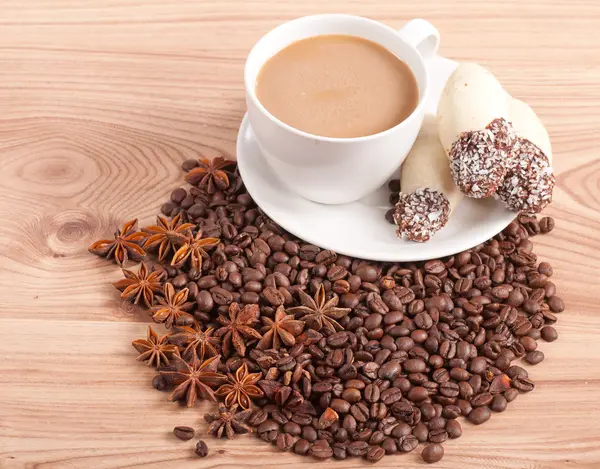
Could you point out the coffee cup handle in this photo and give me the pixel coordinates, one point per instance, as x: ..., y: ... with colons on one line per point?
x: 423, y: 36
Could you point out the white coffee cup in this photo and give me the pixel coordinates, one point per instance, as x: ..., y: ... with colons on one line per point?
x: 339, y: 170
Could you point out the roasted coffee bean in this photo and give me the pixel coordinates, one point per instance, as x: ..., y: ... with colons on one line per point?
x: 357, y: 448
x: 372, y: 393
x: 309, y: 433
x: 390, y: 446
x: 549, y: 334
x: 414, y: 366
x: 258, y: 417
x: 418, y: 394
x: 511, y: 394
x: 360, y: 412
x: 432, y: 453
x: 528, y: 343
x: 407, y: 443
x: 402, y: 429
x: 420, y: 432
x: 339, y: 451
x: 349, y: 423
x: 479, y: 415
x: 465, y: 407
x: 391, y: 370
x: 321, y: 450
x: 499, y: 403
x: 341, y: 406
x: 546, y: 224
x: 391, y: 395
x: 534, y: 357
x: 454, y: 429
x: 160, y: 383
x: 556, y: 304
x: 436, y: 423
x: 367, y: 273
x: 438, y: 435
x: 201, y: 449
x: 449, y: 389
x: 301, y: 447
x: 292, y: 428
x: 483, y: 399
x: 284, y: 442
x: 184, y: 433
x: 375, y: 453
x: 423, y: 343
x: 451, y: 412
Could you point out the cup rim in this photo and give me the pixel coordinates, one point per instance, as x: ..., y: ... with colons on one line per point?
x: 251, y: 88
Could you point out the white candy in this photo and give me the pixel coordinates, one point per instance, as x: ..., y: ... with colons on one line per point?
x: 426, y: 166
x: 472, y: 98
x: 428, y: 193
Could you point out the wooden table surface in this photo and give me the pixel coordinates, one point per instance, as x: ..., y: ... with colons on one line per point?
x: 101, y: 100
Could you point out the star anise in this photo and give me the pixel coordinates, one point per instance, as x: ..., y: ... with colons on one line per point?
x: 237, y: 327
x: 140, y: 286
x: 284, y: 329
x: 154, y: 350
x: 167, y: 235
x: 194, y: 379
x: 172, y: 308
x: 194, y: 249
x: 196, y: 341
x: 241, y: 388
x: 228, y: 421
x: 125, y: 245
x: 318, y: 314
x: 212, y: 174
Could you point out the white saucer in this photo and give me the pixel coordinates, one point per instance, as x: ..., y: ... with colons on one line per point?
x: 359, y: 229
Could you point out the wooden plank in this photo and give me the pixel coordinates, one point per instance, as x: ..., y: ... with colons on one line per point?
x: 101, y: 102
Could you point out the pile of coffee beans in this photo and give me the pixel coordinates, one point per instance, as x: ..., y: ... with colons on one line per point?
x: 424, y: 344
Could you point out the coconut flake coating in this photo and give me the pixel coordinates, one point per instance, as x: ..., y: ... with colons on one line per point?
x: 528, y: 186
x: 479, y: 159
x: 421, y: 214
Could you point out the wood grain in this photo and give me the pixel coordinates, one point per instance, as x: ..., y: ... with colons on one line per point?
x: 101, y: 101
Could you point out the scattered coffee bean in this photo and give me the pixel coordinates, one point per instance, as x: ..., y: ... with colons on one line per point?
x: 405, y: 350
x: 534, y: 357
x: 479, y: 415
x: 432, y: 453
x: 201, y: 449
x: 160, y: 383
x: 375, y: 453
x: 454, y: 429
x: 301, y: 447
x: 549, y: 334
x: 184, y: 433
x: 499, y: 403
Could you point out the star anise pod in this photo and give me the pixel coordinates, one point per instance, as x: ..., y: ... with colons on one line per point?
x: 212, y: 174
x: 154, y: 350
x: 228, y: 421
x: 283, y: 329
x: 319, y: 314
x: 140, y: 286
x: 125, y: 245
x: 172, y: 308
x: 194, y: 249
x: 195, y: 379
x: 196, y: 341
x: 167, y: 235
x: 237, y: 327
x: 241, y: 388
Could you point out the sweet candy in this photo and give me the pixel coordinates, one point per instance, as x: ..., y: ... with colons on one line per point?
x: 428, y: 193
